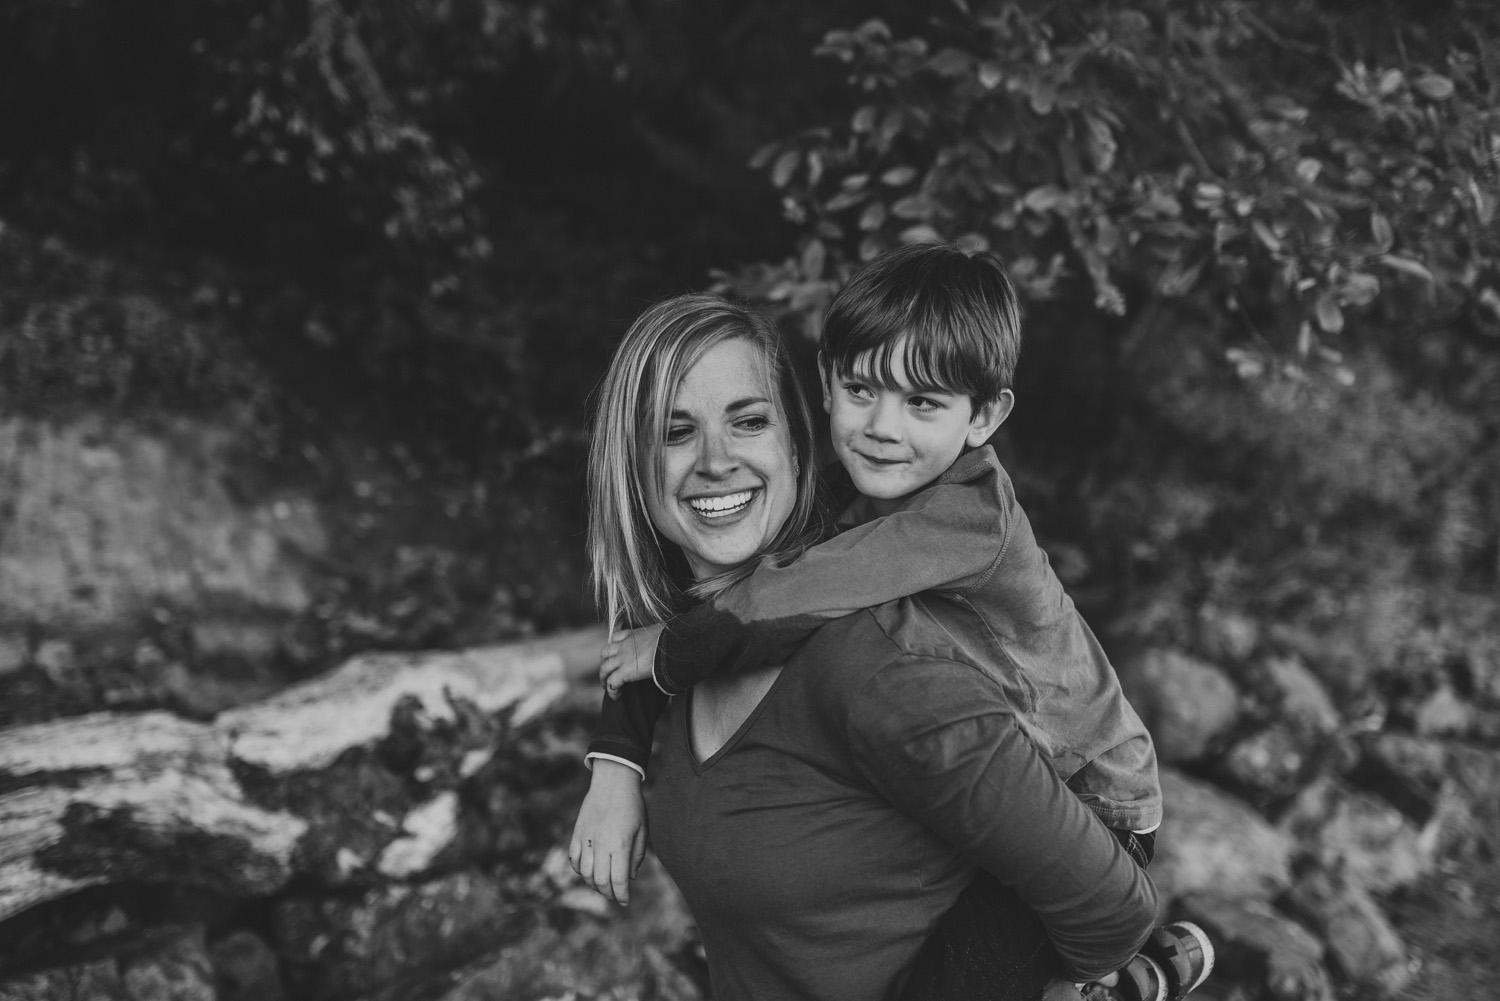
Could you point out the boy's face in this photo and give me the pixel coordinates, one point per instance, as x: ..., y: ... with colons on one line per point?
x: 894, y: 440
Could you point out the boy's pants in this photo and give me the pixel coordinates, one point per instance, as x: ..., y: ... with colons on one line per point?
x: 991, y: 946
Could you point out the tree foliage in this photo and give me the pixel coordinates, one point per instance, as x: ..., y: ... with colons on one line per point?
x: 1279, y: 162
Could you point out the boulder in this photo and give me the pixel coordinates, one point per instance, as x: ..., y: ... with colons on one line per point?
x: 174, y: 967
x: 1360, y: 938
x: 106, y: 520
x: 245, y: 969
x: 1299, y: 697
x: 1256, y: 943
x: 383, y: 941
x: 1186, y: 703
x: 1343, y: 828
x: 1212, y: 842
x: 1270, y: 760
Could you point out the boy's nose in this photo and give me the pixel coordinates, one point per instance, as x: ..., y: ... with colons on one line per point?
x: 884, y: 423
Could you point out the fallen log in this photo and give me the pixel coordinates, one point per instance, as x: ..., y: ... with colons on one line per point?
x: 351, y: 776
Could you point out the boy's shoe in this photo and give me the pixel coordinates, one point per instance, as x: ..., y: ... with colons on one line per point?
x: 1175, y: 960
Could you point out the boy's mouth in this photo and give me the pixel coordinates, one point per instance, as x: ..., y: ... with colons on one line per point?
x: 723, y: 505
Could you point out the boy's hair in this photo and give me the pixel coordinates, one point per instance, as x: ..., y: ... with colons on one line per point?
x: 638, y: 576
x: 959, y: 312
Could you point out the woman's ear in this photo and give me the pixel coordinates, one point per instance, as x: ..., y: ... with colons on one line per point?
x: 825, y: 380
x: 988, y: 418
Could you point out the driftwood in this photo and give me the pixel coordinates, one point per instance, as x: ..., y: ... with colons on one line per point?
x: 352, y: 775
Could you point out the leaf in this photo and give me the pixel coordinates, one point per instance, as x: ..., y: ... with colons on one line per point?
x: 786, y: 163
x: 863, y: 120
x: 1100, y: 144
x: 873, y: 217
x: 1265, y: 236
x: 1304, y: 339
x: 921, y: 233
x: 1308, y: 169
x: 1434, y: 87
x: 990, y: 74
x: 1360, y: 288
x: 912, y: 207
x: 1406, y: 265
x: 1207, y: 195
x: 951, y: 62
x: 854, y: 182
x: 1043, y: 97
x: 1330, y: 316
x: 1043, y: 198
x: 813, y: 256
x: 972, y: 243
x: 763, y: 155
x: 844, y: 200
x: 897, y: 176
x: 1380, y: 229
x: 1389, y: 81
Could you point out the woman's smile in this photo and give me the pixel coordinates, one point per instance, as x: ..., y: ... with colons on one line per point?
x: 722, y: 506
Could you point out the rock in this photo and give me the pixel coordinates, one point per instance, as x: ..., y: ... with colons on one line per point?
x: 1229, y: 635
x: 1270, y: 760
x: 623, y: 952
x: 1339, y: 827
x: 174, y: 967
x: 1256, y: 943
x: 97, y: 981
x: 337, y: 947
x: 55, y: 658
x: 1187, y: 704
x: 1443, y: 713
x: 15, y: 653
x: 1360, y: 939
x: 1212, y: 842
x: 1299, y: 697
x: 245, y: 969
x: 108, y: 519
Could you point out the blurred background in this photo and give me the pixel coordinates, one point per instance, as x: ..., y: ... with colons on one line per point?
x: 301, y: 302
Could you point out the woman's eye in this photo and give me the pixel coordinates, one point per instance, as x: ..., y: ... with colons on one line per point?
x: 753, y: 423
x: 679, y: 433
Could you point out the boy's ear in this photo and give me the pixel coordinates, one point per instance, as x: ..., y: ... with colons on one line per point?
x: 825, y: 379
x: 988, y: 418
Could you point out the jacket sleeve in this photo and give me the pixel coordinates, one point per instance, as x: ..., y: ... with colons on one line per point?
x: 935, y: 739
x: 626, y: 724
x: 947, y: 540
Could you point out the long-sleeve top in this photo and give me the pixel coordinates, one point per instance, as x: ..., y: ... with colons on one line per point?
x: 818, y: 847
x: 966, y: 538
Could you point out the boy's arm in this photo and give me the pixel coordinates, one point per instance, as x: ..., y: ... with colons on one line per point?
x: 609, y: 836
x: 947, y: 540
x: 939, y: 742
x: 626, y: 725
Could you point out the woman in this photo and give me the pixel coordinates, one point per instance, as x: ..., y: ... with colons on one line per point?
x: 820, y: 818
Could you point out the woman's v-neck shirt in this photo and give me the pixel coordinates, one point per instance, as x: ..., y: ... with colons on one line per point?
x: 818, y: 846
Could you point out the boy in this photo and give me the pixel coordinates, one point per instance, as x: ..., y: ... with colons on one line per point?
x: 917, y: 357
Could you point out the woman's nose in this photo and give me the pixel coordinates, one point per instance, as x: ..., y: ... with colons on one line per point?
x: 716, y: 455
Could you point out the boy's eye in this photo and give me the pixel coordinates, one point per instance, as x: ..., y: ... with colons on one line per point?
x: 857, y: 389
x: 925, y: 404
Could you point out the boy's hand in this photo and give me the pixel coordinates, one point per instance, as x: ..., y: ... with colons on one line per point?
x: 609, y: 837
x: 628, y: 656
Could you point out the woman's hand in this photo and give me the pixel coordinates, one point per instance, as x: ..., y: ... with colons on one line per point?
x: 609, y: 837
x: 628, y: 656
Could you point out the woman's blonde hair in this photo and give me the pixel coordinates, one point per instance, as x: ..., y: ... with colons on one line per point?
x: 638, y: 576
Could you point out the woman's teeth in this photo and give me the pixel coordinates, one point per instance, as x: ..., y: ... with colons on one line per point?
x: 718, y: 507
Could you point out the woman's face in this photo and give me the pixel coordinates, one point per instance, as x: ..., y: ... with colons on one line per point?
x: 729, y: 479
